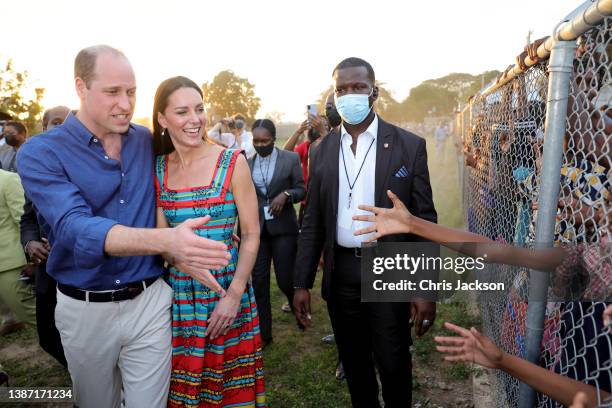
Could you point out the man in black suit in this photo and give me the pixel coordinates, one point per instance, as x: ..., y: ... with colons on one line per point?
x: 277, y: 175
x: 356, y: 164
x: 34, y: 231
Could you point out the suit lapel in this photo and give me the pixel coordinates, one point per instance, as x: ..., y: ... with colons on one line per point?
x: 278, y: 171
x: 384, y: 149
x: 334, y: 162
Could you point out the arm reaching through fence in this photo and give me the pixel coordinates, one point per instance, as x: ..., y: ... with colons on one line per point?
x: 398, y: 220
x: 470, y: 346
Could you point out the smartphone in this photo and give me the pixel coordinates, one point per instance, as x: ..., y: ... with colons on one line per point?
x: 312, y: 109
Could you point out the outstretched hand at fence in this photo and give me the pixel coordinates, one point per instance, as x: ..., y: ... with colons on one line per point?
x: 469, y: 347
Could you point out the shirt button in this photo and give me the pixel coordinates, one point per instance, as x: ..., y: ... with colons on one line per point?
x: 122, y: 174
x: 117, y: 281
x: 106, y: 157
x: 122, y: 201
x: 95, y: 140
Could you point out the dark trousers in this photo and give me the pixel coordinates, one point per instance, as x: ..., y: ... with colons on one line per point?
x: 369, y: 332
x: 281, y: 250
x: 48, y: 336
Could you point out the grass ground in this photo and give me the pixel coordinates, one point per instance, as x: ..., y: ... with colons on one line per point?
x: 299, y: 367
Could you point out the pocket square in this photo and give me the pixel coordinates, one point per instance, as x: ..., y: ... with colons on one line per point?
x: 401, y: 173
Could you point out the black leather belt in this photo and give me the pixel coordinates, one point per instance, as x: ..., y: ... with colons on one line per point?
x: 356, y: 252
x: 126, y: 293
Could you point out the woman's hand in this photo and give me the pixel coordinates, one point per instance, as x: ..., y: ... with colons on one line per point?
x: 469, y: 347
x: 385, y: 221
x: 224, y: 314
x: 277, y: 205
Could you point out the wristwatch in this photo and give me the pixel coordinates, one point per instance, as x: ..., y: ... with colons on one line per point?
x: 288, y: 194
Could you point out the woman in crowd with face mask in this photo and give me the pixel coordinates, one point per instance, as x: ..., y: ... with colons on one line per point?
x: 279, y: 184
x: 216, y: 354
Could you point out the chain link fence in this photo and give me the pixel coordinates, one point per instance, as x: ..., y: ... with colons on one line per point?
x: 500, y: 134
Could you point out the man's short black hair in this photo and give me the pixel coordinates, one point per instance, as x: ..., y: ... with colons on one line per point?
x: 356, y: 62
x: 19, y: 127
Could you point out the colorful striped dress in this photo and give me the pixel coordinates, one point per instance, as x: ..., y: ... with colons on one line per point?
x: 226, y: 371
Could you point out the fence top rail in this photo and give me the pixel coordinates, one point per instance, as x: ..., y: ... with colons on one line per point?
x: 588, y: 15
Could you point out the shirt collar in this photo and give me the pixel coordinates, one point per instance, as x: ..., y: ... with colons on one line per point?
x: 75, y: 126
x: 371, y: 132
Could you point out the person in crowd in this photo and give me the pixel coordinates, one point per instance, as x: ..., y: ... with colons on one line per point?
x: 440, y: 134
x: 96, y: 191
x: 242, y: 134
x: 228, y: 132
x: 221, y: 134
x: 331, y: 113
x: 355, y: 163
x: 212, y: 330
x: 279, y: 185
x: 15, y: 134
x: 34, y: 238
x: 15, y: 291
x: 313, y: 127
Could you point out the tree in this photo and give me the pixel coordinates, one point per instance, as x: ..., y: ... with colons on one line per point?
x: 12, y: 102
x: 228, y: 94
x: 276, y: 117
x: 425, y: 98
x: 441, y: 95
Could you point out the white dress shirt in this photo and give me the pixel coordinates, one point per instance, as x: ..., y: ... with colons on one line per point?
x: 363, y: 190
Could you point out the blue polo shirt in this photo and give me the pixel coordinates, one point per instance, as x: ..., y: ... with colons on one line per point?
x: 81, y: 192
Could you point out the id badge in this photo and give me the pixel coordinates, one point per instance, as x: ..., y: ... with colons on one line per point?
x: 267, y: 214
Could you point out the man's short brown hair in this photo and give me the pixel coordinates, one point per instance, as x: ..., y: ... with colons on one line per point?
x: 85, y: 61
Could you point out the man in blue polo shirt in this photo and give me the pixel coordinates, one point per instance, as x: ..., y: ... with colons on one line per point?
x: 92, y: 181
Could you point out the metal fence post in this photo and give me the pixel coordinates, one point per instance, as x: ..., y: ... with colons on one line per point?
x: 560, y: 72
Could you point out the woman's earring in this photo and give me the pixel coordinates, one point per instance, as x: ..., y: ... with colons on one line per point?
x: 164, y: 132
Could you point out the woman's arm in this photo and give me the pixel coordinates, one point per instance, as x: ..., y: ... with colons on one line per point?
x: 246, y: 200
x: 295, y: 138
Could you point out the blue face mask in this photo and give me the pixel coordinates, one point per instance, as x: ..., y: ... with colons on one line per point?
x: 353, y: 108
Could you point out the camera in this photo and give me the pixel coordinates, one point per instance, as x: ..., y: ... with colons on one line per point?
x: 229, y: 122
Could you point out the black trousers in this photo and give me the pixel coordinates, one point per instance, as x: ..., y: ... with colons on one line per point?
x: 367, y: 333
x: 48, y: 336
x: 281, y: 250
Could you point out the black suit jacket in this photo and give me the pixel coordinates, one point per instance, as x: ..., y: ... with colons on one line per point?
x: 287, y: 177
x: 319, y: 226
x: 32, y: 228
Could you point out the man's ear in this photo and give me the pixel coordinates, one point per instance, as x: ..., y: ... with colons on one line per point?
x: 81, y: 87
x: 374, y: 93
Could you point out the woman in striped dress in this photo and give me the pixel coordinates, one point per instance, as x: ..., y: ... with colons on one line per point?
x: 216, y: 356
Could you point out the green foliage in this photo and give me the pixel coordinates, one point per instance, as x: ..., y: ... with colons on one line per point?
x: 427, y: 99
x: 439, y: 97
x: 12, y: 102
x: 228, y: 94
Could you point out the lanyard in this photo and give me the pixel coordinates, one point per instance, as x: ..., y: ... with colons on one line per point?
x: 351, y: 186
x: 264, y: 176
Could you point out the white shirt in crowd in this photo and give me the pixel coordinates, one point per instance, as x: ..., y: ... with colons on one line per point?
x: 229, y: 140
x: 363, y: 190
x: 247, y: 143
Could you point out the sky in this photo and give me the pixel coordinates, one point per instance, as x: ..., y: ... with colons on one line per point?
x: 287, y: 49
